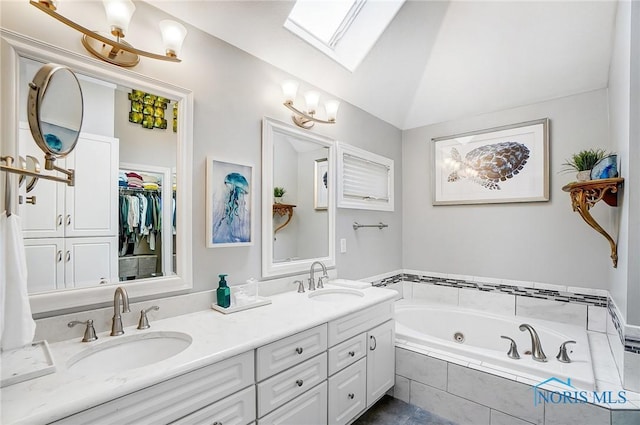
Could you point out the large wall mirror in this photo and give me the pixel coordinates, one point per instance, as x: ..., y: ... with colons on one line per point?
x: 299, y: 227
x: 126, y: 220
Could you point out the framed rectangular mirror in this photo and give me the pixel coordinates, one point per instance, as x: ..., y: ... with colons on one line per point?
x: 296, y: 231
x: 75, y: 255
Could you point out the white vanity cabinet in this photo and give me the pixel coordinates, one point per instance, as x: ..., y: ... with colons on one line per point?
x: 223, y: 392
x: 58, y: 263
x: 361, y: 361
x: 90, y: 206
x: 290, y: 373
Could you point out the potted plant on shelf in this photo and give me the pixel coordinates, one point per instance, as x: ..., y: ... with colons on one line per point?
x: 583, y: 162
x: 278, y: 193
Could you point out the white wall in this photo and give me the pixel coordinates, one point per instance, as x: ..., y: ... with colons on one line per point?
x: 232, y: 92
x: 539, y: 242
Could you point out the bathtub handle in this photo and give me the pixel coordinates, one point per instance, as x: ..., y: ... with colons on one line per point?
x: 375, y: 343
x: 513, y: 349
x: 562, y: 354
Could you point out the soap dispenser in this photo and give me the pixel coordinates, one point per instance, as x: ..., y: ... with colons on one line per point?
x: 223, y: 292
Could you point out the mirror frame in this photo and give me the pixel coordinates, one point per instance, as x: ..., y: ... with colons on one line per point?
x: 269, y: 268
x: 15, y: 45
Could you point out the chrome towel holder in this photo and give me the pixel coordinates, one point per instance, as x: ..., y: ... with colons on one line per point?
x: 380, y: 225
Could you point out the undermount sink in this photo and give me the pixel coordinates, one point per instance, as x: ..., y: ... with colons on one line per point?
x: 129, y: 352
x: 335, y: 294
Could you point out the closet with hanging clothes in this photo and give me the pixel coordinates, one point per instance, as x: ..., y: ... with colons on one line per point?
x: 140, y: 223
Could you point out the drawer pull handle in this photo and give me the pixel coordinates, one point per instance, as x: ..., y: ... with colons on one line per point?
x: 299, y: 350
x: 59, y: 220
x: 68, y: 256
x: 68, y: 219
x: 59, y: 256
x: 352, y: 353
x: 375, y: 343
x: 299, y: 382
x: 351, y: 396
x: 217, y: 423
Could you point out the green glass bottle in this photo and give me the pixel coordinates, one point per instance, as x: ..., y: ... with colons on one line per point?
x: 223, y: 292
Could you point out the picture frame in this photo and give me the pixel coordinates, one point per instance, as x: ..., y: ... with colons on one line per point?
x: 229, y: 203
x: 320, y: 186
x: 497, y: 165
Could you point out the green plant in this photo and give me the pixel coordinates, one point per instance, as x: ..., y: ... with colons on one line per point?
x: 584, y: 160
x: 279, y: 192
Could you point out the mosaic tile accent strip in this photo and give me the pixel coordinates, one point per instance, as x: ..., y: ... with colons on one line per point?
x: 523, y: 291
x: 632, y: 345
x: 616, y: 322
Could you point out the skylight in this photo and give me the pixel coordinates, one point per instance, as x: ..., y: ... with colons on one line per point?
x: 344, y: 30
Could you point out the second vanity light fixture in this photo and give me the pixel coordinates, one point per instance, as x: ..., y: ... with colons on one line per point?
x: 117, y: 51
x: 306, y: 119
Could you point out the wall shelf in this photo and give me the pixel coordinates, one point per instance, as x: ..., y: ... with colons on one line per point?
x: 585, y: 195
x: 282, y: 210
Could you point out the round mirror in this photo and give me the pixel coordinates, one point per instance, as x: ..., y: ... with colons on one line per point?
x: 55, y: 110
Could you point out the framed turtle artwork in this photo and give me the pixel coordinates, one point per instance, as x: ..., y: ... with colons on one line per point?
x: 496, y: 165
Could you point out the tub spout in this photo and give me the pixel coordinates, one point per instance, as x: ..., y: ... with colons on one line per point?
x: 536, y: 347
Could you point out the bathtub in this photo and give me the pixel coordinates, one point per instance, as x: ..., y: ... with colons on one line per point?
x: 473, y: 336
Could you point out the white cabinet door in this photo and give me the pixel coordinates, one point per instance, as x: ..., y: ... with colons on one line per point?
x: 45, y: 264
x: 380, y: 361
x: 308, y: 409
x: 92, y: 203
x: 237, y: 409
x: 86, y: 261
x: 45, y: 218
x: 348, y: 393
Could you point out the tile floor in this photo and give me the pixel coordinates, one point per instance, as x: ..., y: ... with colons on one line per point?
x: 391, y: 411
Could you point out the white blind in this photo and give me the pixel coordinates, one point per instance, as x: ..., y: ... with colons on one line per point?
x: 364, y: 179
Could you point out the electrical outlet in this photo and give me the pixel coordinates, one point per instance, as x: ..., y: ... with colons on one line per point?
x: 343, y: 245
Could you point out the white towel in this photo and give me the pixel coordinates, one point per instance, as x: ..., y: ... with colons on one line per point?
x: 17, y: 327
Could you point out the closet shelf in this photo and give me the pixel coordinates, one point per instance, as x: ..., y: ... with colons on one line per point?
x: 282, y: 210
x: 585, y: 195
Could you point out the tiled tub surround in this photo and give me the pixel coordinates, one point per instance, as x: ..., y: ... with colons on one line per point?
x: 215, y: 336
x: 464, y: 390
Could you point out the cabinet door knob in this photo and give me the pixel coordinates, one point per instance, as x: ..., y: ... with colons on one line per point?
x: 59, y: 220
x: 351, y: 396
x: 59, y: 256
x: 68, y: 256
x: 299, y: 350
x: 352, y: 353
x: 299, y: 382
x: 69, y: 220
x: 375, y: 343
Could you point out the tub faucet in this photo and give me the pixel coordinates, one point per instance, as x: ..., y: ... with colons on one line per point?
x: 119, y: 296
x: 536, y: 348
x: 312, y: 282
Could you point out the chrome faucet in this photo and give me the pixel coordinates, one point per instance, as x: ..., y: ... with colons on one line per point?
x: 312, y: 281
x: 119, y: 296
x: 536, y: 348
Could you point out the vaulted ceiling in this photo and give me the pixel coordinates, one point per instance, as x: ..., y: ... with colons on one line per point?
x: 437, y: 60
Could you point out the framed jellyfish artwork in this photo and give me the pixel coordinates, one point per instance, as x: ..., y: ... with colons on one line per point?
x: 229, y: 207
x: 496, y: 165
x: 320, y: 184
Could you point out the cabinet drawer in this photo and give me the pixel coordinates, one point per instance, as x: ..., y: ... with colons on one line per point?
x: 175, y: 398
x: 237, y: 409
x: 346, y: 353
x: 348, y: 393
x: 361, y: 321
x: 276, y: 391
x: 308, y: 409
x: 287, y: 352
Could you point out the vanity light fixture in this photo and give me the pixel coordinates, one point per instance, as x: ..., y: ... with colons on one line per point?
x: 312, y: 98
x: 117, y: 51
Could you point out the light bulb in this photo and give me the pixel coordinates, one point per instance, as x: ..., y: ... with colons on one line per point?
x: 119, y: 14
x: 173, y: 35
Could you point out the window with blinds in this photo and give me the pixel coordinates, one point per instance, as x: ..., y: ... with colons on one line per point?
x: 365, y: 180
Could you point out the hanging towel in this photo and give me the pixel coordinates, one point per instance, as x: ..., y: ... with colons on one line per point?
x: 17, y: 327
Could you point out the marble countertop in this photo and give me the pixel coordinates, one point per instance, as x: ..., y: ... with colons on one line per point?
x: 216, y: 337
